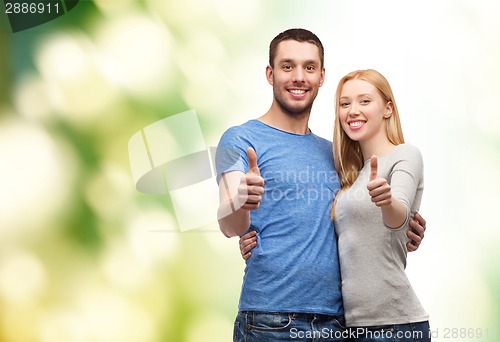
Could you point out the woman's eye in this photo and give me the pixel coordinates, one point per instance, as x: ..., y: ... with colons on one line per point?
x: 365, y: 101
x: 344, y: 104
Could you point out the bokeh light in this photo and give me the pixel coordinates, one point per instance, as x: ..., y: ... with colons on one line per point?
x: 22, y: 278
x: 139, y: 65
x: 69, y: 64
x: 37, y: 168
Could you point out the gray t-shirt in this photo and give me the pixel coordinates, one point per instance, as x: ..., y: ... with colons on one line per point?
x: 375, y: 288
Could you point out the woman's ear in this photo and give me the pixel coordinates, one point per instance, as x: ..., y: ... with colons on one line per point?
x: 388, y: 110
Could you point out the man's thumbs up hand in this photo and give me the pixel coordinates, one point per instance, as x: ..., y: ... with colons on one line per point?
x: 378, y: 188
x: 252, y: 162
x: 251, y: 187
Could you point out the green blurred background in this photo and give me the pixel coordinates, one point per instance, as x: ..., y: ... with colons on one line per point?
x: 86, y: 257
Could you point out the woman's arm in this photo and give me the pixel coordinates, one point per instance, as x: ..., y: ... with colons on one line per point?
x: 394, y: 213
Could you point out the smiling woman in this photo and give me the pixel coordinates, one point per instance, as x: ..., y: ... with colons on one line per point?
x: 363, y: 114
x: 372, y: 160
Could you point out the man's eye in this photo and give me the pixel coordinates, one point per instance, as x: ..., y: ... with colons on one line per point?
x: 310, y: 68
x: 287, y: 67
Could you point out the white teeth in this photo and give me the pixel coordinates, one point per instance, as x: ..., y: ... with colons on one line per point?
x: 297, y: 91
x: 356, y: 123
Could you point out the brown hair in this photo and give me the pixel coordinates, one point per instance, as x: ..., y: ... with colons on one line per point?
x: 298, y: 34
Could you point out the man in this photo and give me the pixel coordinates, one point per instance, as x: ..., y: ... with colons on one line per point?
x: 291, y: 288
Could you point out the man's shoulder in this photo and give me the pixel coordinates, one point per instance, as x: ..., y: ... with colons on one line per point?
x: 323, y: 142
x: 238, y: 130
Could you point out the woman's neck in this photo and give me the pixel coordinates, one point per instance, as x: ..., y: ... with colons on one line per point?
x: 377, y: 147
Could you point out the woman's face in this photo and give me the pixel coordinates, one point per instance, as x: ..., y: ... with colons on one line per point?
x: 362, y: 111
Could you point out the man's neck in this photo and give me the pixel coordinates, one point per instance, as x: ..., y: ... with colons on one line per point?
x: 294, y: 124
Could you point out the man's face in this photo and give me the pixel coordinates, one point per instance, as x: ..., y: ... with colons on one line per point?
x: 296, y: 76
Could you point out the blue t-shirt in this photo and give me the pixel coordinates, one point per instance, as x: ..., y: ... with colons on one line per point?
x: 295, y: 266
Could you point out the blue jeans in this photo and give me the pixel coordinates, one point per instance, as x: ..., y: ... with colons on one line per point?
x: 411, y: 332
x: 272, y: 326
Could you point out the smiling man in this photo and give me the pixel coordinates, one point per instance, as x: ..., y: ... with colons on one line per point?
x: 277, y: 180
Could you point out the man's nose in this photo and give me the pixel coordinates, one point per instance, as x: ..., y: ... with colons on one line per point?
x: 298, y: 75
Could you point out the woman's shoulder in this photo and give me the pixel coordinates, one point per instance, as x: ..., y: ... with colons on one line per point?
x: 408, y: 151
x: 408, y: 157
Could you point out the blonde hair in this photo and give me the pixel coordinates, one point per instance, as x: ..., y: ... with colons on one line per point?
x: 347, y: 152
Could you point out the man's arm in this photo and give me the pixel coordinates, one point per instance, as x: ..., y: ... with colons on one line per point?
x: 233, y: 219
x: 416, y: 233
x: 239, y: 193
x: 247, y: 243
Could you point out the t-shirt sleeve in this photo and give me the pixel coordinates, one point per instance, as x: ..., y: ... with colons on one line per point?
x: 231, y: 152
x: 407, y: 177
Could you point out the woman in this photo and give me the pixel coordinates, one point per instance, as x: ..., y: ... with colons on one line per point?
x: 381, y: 188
